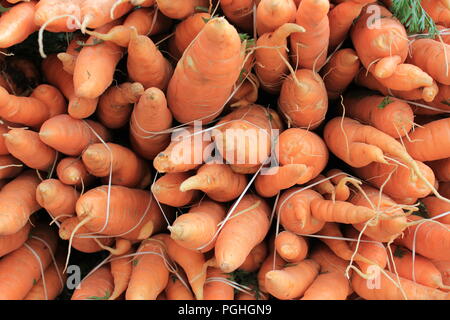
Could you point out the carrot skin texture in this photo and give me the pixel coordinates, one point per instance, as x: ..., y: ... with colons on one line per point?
x: 167, y: 190
x: 55, y: 197
x: 328, y: 286
x: 17, y: 24
x: 71, y: 171
x: 14, y: 241
x: 98, y: 285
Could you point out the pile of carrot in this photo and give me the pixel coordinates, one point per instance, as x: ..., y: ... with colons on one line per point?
x: 225, y: 150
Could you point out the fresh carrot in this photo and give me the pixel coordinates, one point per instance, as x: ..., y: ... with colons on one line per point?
x: 272, y: 14
x: 436, y: 207
x: 216, y: 286
x: 121, y: 268
x: 239, y: 13
x: 17, y: 24
x: 14, y: 241
x: 193, y: 77
x: 444, y: 268
x: 11, y: 167
x: 291, y: 247
x: 35, y: 255
x: 340, y: 211
x: 98, y: 286
x: 291, y: 282
x: 303, y: 99
x: 269, y: 264
x: 276, y: 179
x: 18, y: 202
x: 180, y: 9
x: 439, y: 11
x: 58, y: 199
x: 69, y: 57
x: 54, y: 13
x: 328, y: 286
x: 329, y: 262
x: 71, y: 136
x: 52, y: 98
x: 116, y: 104
x: 149, y: 118
x: 177, y: 290
x: 255, y: 258
x: 251, y: 212
x: 218, y: 181
x: 167, y: 190
x: 96, y: 14
x: 71, y: 171
x: 195, y: 230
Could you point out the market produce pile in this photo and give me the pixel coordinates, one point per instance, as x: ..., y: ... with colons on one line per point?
x: 220, y: 150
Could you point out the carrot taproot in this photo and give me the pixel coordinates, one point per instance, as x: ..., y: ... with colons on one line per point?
x: 126, y: 168
x: 10, y: 167
x: 34, y: 255
x: 195, y: 230
x: 72, y: 171
x: 216, y: 286
x: 250, y: 211
x: 441, y: 169
x: 269, y: 264
x: 206, y: 76
x: 26, y: 146
x: 69, y: 57
x: 255, y: 258
x: 303, y: 99
x: 71, y: 136
x: 121, y: 269
x: 272, y: 14
x: 96, y: 14
x: 329, y: 262
x: 180, y: 9
x: 150, y: 116
x: 167, y: 190
x: 328, y: 286
x: 291, y: 247
x: 150, y: 275
x: 218, y: 181
x: 390, y: 115
x: 58, y: 199
x: 177, y: 290
x: 323, y: 186
x: 17, y: 24
x: 309, y: 48
x: 18, y: 202
x: 52, y: 98
x: 239, y: 13
x: 97, y: 286
x: 270, y: 67
x: 146, y: 64
x: 338, y: 73
x: 407, y: 77
x: 342, y: 191
x: 340, y: 211
x: 57, y: 15
x: 436, y: 207
x: 116, y: 104
x: 439, y: 11
x: 291, y: 282
x: 14, y: 241
x: 279, y: 178
x: 143, y: 216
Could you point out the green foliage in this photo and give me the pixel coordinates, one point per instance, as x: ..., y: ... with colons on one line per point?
x: 414, y: 17
x: 387, y: 100
x: 422, y: 212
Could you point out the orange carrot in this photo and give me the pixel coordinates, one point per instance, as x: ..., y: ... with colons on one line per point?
x: 255, y: 258
x: 272, y: 14
x: 180, y: 9
x: 98, y: 13
x: 276, y: 179
x: 57, y: 198
x: 291, y: 247
x: 167, y: 190
x: 441, y: 169
x: 215, y: 289
x: 239, y: 13
x: 121, y: 269
x: 51, y: 97
x: 328, y: 286
x: 11, y: 167
x: 435, y: 207
x: 71, y: 171
x: 53, y: 12
x: 340, y: 211
x: 98, y: 286
x: 17, y: 24
x: 269, y: 264
x: 329, y: 262
x: 14, y: 241
x: 176, y: 290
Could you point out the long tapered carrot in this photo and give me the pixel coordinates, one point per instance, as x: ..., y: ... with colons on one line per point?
x: 255, y: 258
x: 121, y: 269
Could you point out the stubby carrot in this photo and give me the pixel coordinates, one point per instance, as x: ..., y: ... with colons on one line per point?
x: 17, y: 24
x: 167, y: 190
x: 57, y: 198
x: 291, y: 247
x: 72, y: 171
x: 271, y: 14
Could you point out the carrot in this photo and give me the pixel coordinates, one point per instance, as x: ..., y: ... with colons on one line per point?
x: 146, y: 64
x: 192, y: 262
x: 146, y: 21
x: 143, y: 216
x: 435, y: 207
x: 234, y: 242
x: 218, y: 181
x: 386, y: 289
x: 52, y: 98
x: 28, y: 111
x: 180, y: 9
x: 444, y: 189
x: 329, y: 262
x: 126, y: 168
x: 244, y: 137
x: 11, y: 167
x: 54, y: 14
x: 439, y: 11
x: 276, y: 179
x: 339, y: 72
x: 150, y: 275
x: 150, y: 116
x: 193, y: 75
x: 86, y: 245
x: 294, y: 211
x: 98, y: 286
x: 98, y: 13
x: 291, y: 247
x: 420, y: 147
x: 54, y: 283
x: 254, y: 294
x: 310, y: 47
x: 215, y: 288
x: 429, y: 239
x: 34, y: 256
x: 340, y: 211
x: 92, y: 79
x: 270, y: 67
x: 71, y: 171
x: 420, y: 270
x: 58, y: 199
x: 328, y: 286
x: 26, y: 146
x: 239, y: 13
x: 3, y: 149
x: 121, y: 269
x: 176, y: 290
x: 17, y: 24
x: 18, y: 202
x: 167, y: 190
x: 444, y: 268
x: 269, y: 264
x: 69, y: 57
x: 303, y: 99
x: 407, y: 77
x: 341, y: 19
x: 14, y: 241
x: 299, y: 146
x: 392, y: 116
x: 272, y: 14
x: 292, y: 282
x: 71, y: 136
x: 196, y: 229
x: 255, y: 258
x: 247, y: 93
x: 185, y: 32
x: 185, y: 151
x: 116, y: 104
x: 342, y: 191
